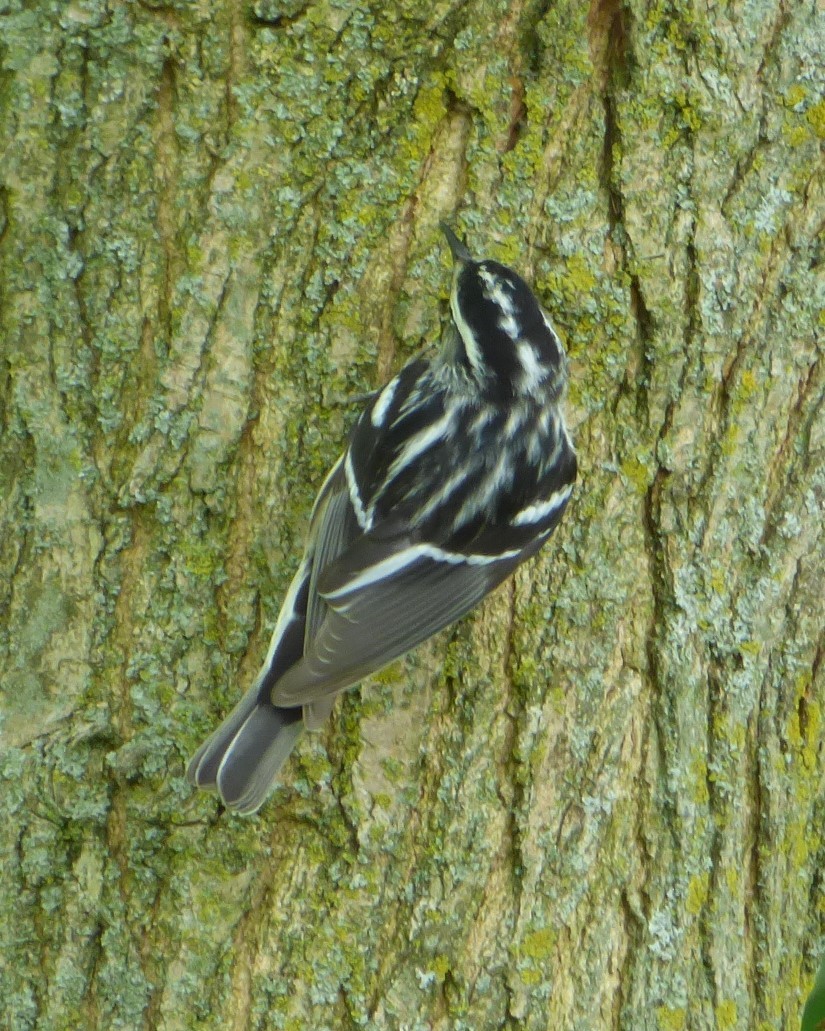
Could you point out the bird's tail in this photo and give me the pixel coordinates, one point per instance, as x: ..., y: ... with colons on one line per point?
x: 244, y: 755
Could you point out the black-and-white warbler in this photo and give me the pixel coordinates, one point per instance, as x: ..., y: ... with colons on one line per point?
x: 457, y: 471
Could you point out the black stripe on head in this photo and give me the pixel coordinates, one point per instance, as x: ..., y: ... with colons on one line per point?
x: 506, y: 337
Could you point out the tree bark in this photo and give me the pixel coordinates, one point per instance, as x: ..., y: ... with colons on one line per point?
x: 598, y: 803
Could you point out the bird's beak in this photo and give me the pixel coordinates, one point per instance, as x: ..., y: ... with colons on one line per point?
x: 459, y: 249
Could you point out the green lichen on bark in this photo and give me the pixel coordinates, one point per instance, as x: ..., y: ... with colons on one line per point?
x: 597, y: 803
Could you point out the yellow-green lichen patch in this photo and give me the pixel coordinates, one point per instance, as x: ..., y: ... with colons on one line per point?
x: 670, y: 1019
x: 697, y: 893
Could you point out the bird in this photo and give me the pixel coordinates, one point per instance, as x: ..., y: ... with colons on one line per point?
x: 456, y: 472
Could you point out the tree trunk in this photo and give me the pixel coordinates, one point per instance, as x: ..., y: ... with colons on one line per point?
x: 598, y: 803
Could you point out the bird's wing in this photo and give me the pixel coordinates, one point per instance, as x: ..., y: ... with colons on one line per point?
x: 384, y: 598
x: 333, y: 528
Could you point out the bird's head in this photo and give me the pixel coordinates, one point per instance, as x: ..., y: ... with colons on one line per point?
x: 507, y: 342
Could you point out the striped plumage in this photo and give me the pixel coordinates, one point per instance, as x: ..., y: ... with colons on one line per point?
x: 456, y: 472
